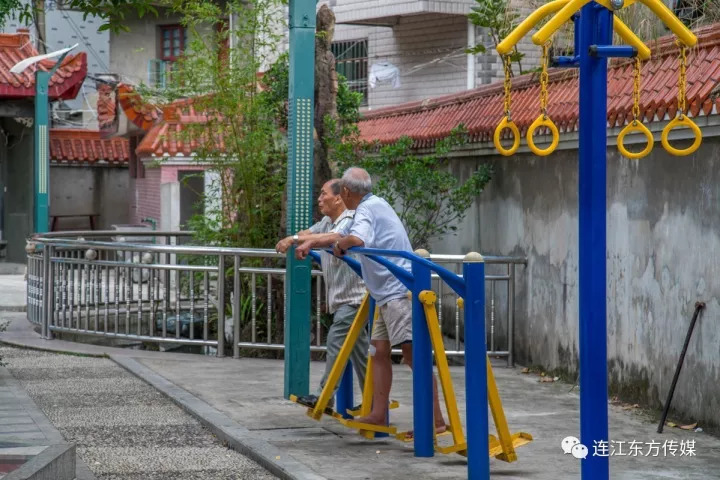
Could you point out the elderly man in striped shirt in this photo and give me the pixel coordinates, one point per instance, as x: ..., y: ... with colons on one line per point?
x: 344, y: 288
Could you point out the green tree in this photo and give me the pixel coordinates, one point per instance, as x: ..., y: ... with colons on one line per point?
x: 499, y: 19
x: 429, y: 198
x: 236, y: 134
x: 112, y: 14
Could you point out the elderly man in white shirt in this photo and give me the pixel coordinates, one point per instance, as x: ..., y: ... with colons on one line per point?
x: 376, y: 225
x: 345, y: 289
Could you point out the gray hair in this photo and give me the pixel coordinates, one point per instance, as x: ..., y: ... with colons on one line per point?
x: 357, y: 180
x: 336, y: 186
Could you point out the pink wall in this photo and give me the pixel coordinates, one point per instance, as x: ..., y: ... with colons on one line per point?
x: 147, y: 196
x: 147, y: 190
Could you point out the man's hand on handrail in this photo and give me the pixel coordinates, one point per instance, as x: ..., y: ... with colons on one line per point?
x: 339, y: 244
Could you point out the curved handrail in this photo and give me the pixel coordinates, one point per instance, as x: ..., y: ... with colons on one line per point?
x: 454, y: 281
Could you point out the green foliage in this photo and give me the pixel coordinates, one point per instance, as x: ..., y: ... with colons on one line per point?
x: 499, y: 18
x: 15, y: 9
x: 238, y: 136
x: 113, y: 13
x: 429, y: 199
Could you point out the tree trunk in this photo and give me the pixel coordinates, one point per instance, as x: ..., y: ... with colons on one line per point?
x: 39, y: 19
x: 326, y: 87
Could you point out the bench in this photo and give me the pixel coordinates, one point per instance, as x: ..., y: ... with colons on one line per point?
x: 90, y: 216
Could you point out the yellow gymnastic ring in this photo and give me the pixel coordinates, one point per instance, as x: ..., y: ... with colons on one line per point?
x: 635, y: 126
x: 681, y: 121
x: 543, y: 121
x: 505, y: 123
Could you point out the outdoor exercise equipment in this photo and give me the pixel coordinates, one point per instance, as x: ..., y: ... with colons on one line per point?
x: 543, y: 120
x: 480, y: 388
x: 636, y: 125
x: 681, y: 120
x: 570, y: 9
x: 503, y: 446
x: 594, y: 25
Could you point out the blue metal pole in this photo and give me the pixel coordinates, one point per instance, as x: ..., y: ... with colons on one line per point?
x: 595, y: 29
x: 476, y: 398
x: 423, y: 421
x: 371, y: 318
x: 345, y: 391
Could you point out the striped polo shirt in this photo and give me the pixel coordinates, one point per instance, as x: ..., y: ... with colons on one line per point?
x: 342, y: 285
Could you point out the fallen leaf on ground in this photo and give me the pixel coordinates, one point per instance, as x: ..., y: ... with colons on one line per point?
x: 671, y: 424
x: 525, y: 370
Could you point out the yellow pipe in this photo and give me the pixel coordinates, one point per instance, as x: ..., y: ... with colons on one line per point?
x: 671, y: 21
x: 506, y: 46
x: 428, y: 298
x: 338, y: 367
x: 554, y: 24
x: 631, y: 39
x: 657, y: 7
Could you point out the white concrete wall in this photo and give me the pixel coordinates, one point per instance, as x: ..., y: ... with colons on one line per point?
x: 663, y: 226
x: 428, y: 50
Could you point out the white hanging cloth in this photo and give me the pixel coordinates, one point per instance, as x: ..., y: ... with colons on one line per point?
x: 384, y: 72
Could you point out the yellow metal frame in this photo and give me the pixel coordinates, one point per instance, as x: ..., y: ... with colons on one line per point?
x: 506, y: 46
x: 503, y: 447
x: 365, y: 429
x: 572, y: 6
x: 543, y: 121
x: 509, y: 124
x: 681, y: 121
x: 342, y: 359
x: 631, y: 128
x: 563, y: 11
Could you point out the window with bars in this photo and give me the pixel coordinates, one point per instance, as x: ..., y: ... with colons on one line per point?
x: 351, y: 61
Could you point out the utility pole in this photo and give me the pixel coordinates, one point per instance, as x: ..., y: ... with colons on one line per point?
x: 299, y: 194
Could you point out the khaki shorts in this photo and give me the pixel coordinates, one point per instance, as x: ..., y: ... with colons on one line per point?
x: 394, y: 322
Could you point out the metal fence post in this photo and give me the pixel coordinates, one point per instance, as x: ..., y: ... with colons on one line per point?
x: 236, y: 307
x: 46, y: 310
x: 345, y: 391
x: 511, y: 314
x: 423, y: 421
x: 220, y: 307
x: 476, y: 398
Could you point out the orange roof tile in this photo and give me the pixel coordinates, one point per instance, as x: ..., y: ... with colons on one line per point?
x: 107, y: 109
x: 64, y: 84
x: 481, y: 109
x: 170, y: 135
x: 141, y: 113
x: 75, y: 146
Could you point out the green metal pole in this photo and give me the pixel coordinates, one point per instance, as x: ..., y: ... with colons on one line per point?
x: 41, y: 164
x: 299, y: 194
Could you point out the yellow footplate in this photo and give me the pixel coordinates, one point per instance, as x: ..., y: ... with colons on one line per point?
x: 518, y: 440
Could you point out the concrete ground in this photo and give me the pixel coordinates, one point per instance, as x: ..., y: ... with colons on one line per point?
x: 123, y: 428
x: 246, y: 394
x: 12, y: 291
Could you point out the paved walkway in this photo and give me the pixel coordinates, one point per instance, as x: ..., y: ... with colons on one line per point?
x: 123, y: 428
x: 241, y: 400
x: 25, y: 431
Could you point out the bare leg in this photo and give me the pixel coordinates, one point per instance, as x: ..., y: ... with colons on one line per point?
x: 440, y: 425
x: 382, y: 381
